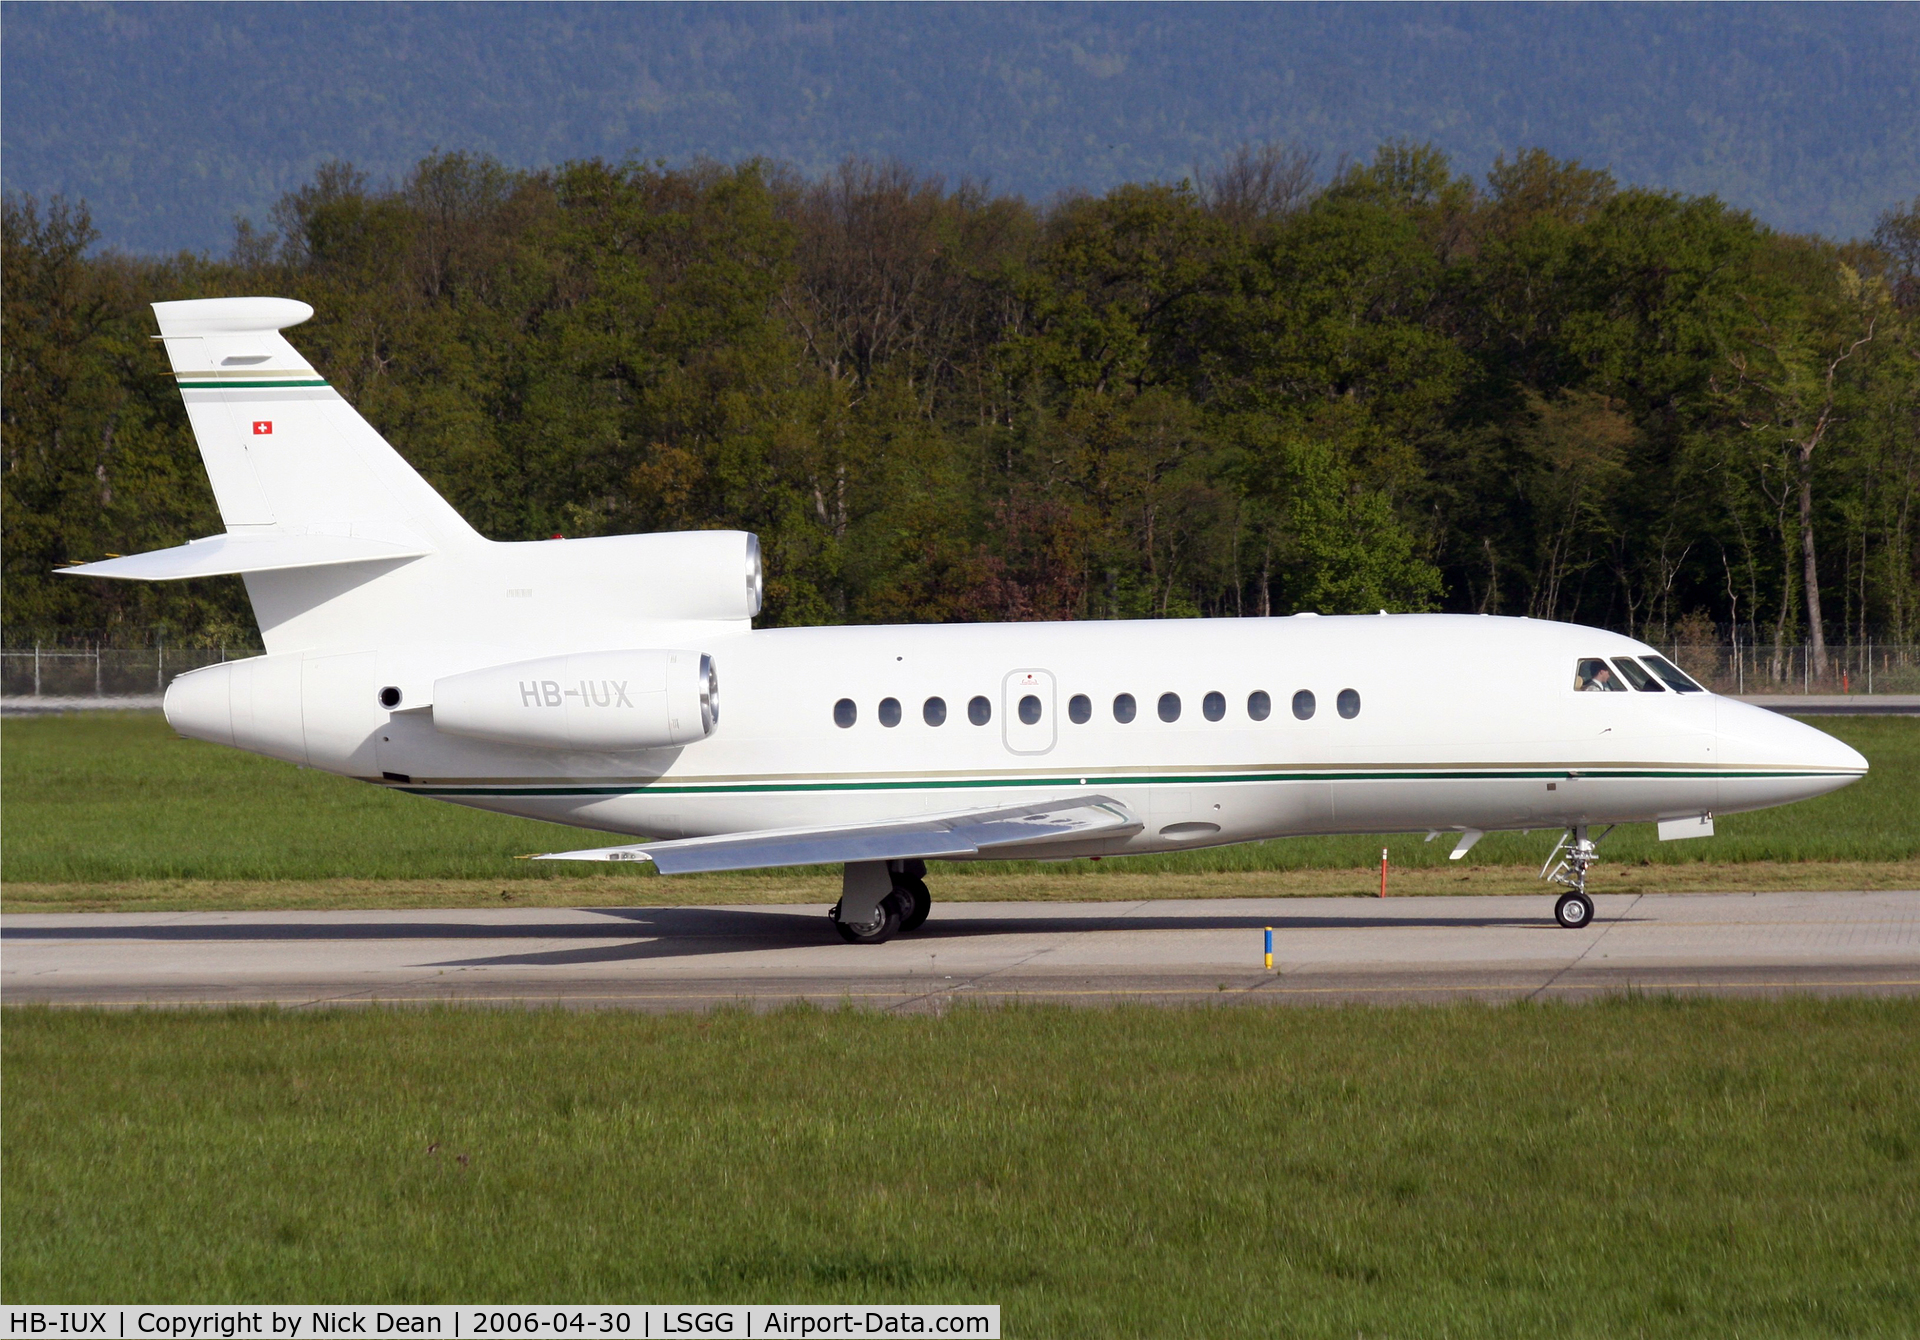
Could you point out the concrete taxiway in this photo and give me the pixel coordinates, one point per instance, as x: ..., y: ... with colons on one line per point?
x: 1325, y: 949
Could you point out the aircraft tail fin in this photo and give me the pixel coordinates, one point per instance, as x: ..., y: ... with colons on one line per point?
x: 343, y: 546
x: 284, y: 451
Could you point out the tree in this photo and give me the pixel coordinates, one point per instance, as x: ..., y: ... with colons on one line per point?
x: 1789, y: 391
x: 1244, y: 394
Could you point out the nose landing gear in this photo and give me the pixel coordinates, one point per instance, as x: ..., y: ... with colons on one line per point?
x: 1575, y: 908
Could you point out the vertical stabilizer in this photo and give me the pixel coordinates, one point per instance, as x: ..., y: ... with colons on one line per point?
x: 345, y: 550
x: 284, y: 451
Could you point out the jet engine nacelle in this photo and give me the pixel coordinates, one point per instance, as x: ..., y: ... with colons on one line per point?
x: 592, y: 700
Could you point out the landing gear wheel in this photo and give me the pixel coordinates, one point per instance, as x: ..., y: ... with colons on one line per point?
x: 1573, y: 911
x: 912, y: 893
x: 884, y: 926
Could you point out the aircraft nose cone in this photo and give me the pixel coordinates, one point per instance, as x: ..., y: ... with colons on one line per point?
x: 1843, y: 755
x: 1768, y: 758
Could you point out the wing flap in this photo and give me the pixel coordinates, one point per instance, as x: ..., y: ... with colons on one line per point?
x: 226, y: 555
x: 968, y: 833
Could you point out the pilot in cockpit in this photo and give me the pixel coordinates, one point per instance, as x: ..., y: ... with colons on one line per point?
x: 1594, y: 676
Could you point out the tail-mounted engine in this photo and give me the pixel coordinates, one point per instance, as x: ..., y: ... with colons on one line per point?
x: 592, y: 700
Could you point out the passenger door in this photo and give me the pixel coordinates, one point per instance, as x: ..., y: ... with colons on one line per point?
x: 1027, y: 711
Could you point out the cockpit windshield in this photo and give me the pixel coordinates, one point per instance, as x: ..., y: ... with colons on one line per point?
x: 1637, y: 677
x: 1667, y: 670
x: 1593, y: 675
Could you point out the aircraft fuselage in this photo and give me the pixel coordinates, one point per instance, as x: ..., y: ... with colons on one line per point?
x: 1456, y: 722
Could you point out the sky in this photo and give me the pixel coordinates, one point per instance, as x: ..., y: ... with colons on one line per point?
x: 173, y: 120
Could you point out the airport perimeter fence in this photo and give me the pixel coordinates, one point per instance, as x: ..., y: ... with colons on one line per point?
x: 67, y: 678
x: 1741, y: 671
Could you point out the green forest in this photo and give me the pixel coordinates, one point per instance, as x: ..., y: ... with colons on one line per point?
x: 1259, y: 390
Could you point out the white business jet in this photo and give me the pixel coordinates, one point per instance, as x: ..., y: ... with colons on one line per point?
x: 579, y: 681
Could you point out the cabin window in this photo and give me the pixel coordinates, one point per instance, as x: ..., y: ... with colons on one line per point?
x: 979, y: 710
x: 934, y: 711
x: 889, y: 711
x: 845, y: 713
x: 1169, y: 707
x: 1079, y: 709
x: 1259, y: 705
x: 1123, y: 708
x: 1213, y: 706
x: 1349, y: 703
x: 1029, y: 710
x: 1667, y: 670
x: 1303, y: 704
x: 1637, y: 677
x: 1594, y: 675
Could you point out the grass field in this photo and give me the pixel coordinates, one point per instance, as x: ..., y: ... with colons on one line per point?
x: 1640, y: 1166
x: 115, y: 810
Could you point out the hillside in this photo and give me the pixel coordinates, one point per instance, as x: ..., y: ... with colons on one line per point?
x: 170, y: 119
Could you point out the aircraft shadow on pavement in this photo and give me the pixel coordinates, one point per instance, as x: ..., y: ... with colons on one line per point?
x: 686, y: 932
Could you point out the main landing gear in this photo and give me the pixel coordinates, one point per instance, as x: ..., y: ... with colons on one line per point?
x: 879, y: 899
x: 1575, y: 908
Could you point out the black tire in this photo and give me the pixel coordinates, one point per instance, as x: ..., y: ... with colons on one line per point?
x: 916, y: 902
x: 1574, y: 911
x: 884, y: 926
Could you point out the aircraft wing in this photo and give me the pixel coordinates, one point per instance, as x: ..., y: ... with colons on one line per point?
x: 1007, y: 828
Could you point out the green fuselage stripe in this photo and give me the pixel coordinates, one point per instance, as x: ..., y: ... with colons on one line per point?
x: 244, y: 386
x: 665, y: 788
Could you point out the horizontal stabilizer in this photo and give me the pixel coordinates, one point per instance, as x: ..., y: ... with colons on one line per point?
x: 970, y: 833
x: 225, y: 555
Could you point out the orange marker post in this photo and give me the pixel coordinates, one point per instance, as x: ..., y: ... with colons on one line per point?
x: 1383, y: 872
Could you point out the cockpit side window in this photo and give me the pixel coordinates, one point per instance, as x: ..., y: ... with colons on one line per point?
x: 1667, y: 670
x: 1593, y: 675
x: 1637, y: 677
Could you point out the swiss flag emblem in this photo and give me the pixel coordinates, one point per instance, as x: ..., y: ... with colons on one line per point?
x: 263, y: 427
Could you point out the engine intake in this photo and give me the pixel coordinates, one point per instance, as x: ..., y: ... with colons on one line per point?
x: 590, y: 700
